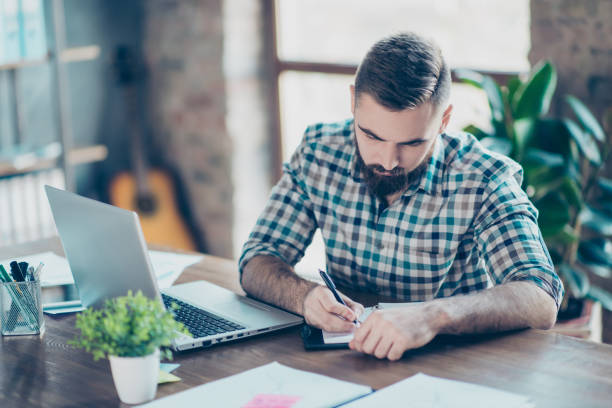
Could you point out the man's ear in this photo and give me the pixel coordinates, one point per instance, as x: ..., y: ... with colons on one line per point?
x: 445, y: 118
x: 352, y: 87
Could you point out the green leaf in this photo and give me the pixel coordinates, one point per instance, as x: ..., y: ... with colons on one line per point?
x: 586, y: 118
x: 476, y: 131
x: 532, y: 98
x: 487, y: 84
x: 584, y: 141
x: 544, y: 180
x: 497, y: 144
x: 576, y: 279
x: 565, y: 237
x: 537, y: 159
x: 551, y: 135
x: 595, y: 269
x: 513, y: 84
x: 602, y: 296
x: 597, y: 251
x: 572, y: 193
x: 523, y: 132
x: 596, y: 220
x: 605, y: 185
x: 554, y: 214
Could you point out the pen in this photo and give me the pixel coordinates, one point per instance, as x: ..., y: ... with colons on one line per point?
x: 19, y: 301
x: 330, y: 284
x: 30, y: 275
x: 37, y: 271
x: 16, y: 272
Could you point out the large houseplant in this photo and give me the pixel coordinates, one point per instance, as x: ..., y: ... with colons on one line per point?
x: 129, y: 330
x: 562, y: 159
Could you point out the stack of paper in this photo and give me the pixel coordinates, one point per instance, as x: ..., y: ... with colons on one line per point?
x: 269, y: 385
x: 423, y: 391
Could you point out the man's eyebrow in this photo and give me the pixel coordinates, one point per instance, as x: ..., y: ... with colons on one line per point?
x: 369, y: 132
x: 375, y: 136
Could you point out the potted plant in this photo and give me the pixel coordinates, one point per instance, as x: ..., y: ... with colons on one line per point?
x: 562, y: 159
x: 129, y: 330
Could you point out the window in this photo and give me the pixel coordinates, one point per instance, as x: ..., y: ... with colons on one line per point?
x: 318, y: 40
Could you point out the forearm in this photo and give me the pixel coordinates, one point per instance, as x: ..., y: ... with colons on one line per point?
x: 513, y: 305
x: 272, y: 280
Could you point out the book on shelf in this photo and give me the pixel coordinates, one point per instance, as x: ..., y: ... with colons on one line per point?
x: 22, y: 31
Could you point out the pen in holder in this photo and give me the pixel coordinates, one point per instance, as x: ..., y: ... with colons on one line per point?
x: 21, y: 308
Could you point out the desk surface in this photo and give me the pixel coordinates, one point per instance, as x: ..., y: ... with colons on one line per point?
x: 554, y: 370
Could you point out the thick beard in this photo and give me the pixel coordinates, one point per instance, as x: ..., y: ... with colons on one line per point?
x: 398, y: 181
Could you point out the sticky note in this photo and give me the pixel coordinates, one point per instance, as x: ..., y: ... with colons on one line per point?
x: 165, y: 377
x: 272, y: 401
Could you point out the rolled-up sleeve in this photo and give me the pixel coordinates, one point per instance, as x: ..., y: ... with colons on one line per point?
x: 510, y: 242
x: 287, y: 224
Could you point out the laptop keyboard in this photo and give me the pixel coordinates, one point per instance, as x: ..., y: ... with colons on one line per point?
x: 199, y: 322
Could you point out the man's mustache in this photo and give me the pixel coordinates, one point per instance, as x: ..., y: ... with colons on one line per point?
x: 397, y: 171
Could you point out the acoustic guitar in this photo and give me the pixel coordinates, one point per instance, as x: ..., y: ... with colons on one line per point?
x: 150, y: 192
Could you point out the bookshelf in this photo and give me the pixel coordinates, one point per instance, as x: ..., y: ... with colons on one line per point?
x: 58, y: 56
x: 25, y: 166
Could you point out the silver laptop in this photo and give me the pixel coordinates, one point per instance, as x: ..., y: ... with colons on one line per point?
x: 108, y: 256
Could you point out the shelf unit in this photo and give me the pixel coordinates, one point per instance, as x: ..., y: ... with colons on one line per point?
x: 23, y: 209
x: 58, y: 56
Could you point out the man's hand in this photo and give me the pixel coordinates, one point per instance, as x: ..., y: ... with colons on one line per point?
x: 322, y: 310
x: 388, y: 333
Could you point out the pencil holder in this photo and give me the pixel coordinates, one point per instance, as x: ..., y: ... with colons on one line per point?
x: 21, y: 308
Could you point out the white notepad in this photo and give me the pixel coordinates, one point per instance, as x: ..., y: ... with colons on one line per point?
x: 424, y: 391
x: 270, y: 383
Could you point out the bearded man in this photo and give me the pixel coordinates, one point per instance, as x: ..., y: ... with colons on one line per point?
x: 408, y: 212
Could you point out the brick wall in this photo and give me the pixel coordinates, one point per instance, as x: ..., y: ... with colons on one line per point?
x: 577, y: 37
x: 184, y: 51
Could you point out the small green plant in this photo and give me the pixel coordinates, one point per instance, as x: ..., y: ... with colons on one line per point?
x: 127, y: 326
x: 563, y: 160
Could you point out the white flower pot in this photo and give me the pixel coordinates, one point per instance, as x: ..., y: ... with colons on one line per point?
x: 135, y: 377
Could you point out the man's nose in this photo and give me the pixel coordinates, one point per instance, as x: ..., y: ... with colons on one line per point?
x: 390, y: 157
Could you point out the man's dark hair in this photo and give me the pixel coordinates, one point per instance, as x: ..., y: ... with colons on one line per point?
x: 404, y: 71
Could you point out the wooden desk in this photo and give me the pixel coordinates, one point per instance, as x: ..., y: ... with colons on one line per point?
x: 555, y: 370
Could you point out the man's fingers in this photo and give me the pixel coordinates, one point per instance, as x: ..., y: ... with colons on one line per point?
x: 396, y: 351
x: 371, y: 342
x: 360, y: 335
x: 333, y: 323
x: 331, y: 305
x: 383, y: 347
x: 356, y: 307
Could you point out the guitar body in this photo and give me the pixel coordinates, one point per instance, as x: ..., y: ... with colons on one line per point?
x: 160, y: 218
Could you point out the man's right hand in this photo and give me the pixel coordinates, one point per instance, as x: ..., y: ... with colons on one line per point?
x: 322, y: 310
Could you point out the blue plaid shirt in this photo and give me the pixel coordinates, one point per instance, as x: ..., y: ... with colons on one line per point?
x: 465, y: 226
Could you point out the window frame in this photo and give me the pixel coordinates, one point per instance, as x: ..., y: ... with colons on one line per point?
x: 276, y: 66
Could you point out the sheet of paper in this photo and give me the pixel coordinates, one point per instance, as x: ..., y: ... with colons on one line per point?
x: 168, y: 266
x: 313, y: 390
x: 423, y: 391
x: 55, y: 271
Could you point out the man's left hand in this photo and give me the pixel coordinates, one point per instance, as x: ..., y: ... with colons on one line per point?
x: 389, y: 333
